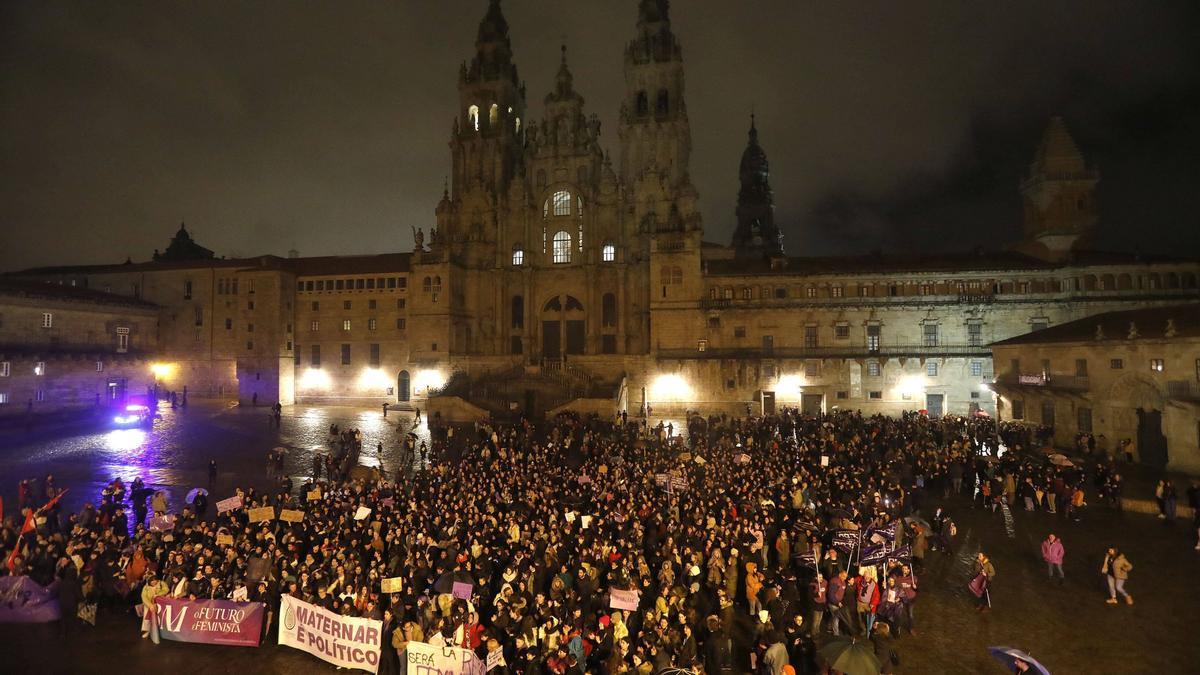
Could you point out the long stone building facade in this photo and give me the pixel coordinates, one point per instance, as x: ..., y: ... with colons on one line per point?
x: 554, y: 274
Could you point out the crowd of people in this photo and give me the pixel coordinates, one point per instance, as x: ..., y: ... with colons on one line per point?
x: 748, y: 540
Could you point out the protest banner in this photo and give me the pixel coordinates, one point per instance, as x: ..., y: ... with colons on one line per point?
x: 224, y: 540
x: 391, y: 585
x: 495, y: 658
x: 217, y: 622
x: 619, y: 599
x: 261, y: 514
x: 462, y: 590
x: 425, y: 659
x: 291, y: 515
x: 23, y: 600
x: 162, y: 523
x: 362, y: 513
x: 313, y: 495
x: 344, y: 641
x: 234, y: 502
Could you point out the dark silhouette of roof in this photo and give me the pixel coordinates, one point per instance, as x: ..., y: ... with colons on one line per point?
x: 1150, y: 322
x: 51, y: 291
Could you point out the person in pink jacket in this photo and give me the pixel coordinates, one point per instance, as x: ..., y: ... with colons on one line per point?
x: 1052, y: 553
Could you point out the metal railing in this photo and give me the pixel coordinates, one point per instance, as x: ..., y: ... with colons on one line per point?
x: 847, y: 351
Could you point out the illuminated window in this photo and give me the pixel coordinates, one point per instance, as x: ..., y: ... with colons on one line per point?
x: 346, y: 324
x: 562, y: 247
x: 47, y: 320
x: 518, y: 257
x: 493, y: 115
x: 517, y: 125
x: 39, y: 368
x: 562, y: 203
x: 371, y: 324
x: 473, y: 116
x: 835, y: 291
x: 810, y: 292
x: 314, y: 326
x: 5, y: 368
x: 1156, y: 365
x: 608, y: 253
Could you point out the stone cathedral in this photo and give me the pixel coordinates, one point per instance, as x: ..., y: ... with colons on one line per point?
x: 556, y: 275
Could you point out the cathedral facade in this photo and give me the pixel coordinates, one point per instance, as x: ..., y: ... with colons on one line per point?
x: 556, y: 275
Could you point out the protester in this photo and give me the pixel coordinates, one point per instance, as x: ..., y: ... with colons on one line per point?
x: 1052, y: 553
x: 543, y: 523
x: 1116, y: 571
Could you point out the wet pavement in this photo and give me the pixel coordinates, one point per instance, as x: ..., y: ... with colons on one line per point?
x: 1068, y: 627
x: 173, y: 455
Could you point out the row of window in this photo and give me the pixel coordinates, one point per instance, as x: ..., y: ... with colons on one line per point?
x: 561, y: 250
x: 363, y: 284
x: 372, y: 324
x: 401, y: 303
x: 1104, y: 282
x: 314, y: 355
x: 38, y: 396
x: 39, y: 368
x: 1081, y: 366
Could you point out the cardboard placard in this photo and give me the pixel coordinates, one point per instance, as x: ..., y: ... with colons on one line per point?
x: 261, y: 514
x: 585, y: 521
x: 362, y: 513
x: 234, y: 502
x: 291, y: 515
x: 224, y: 540
x: 495, y: 658
x: 163, y: 522
x: 391, y: 585
x: 313, y: 496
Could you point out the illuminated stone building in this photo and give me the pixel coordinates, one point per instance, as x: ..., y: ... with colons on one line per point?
x: 556, y: 274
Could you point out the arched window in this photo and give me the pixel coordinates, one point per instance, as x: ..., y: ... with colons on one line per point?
x: 562, y: 203
x: 608, y: 253
x: 518, y: 257
x: 437, y: 284
x: 427, y: 285
x: 728, y: 293
x: 712, y: 293
x: 494, y: 116
x: 608, y: 310
x: 473, y: 116
x: 518, y: 311
x: 664, y: 102
x: 747, y: 293
x: 562, y: 247
x: 643, y: 104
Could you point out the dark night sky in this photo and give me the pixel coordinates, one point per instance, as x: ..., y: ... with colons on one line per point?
x: 270, y: 125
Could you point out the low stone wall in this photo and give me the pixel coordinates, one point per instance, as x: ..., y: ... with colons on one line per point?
x: 454, y: 409
x: 1150, y: 507
x: 604, y: 407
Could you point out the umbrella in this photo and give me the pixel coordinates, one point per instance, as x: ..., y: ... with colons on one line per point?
x: 1058, y: 459
x: 1009, y: 656
x: 850, y: 656
x: 191, y: 496
x: 919, y: 521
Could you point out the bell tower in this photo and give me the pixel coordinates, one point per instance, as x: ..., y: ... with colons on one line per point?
x: 1059, y: 195
x: 486, y: 141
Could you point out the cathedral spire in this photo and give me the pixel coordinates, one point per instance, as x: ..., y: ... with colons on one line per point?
x: 756, y: 235
x: 1059, y: 194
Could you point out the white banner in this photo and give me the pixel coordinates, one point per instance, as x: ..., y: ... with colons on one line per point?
x: 344, y: 641
x: 425, y: 659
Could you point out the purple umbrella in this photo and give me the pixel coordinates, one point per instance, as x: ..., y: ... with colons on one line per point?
x: 1009, y: 657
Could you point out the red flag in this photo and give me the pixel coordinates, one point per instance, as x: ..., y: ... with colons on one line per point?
x: 28, y: 527
x: 54, y: 501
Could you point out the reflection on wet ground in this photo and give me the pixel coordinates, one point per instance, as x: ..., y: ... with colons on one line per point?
x: 173, y: 454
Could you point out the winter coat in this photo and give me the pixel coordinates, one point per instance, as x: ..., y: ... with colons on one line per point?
x: 1053, y: 552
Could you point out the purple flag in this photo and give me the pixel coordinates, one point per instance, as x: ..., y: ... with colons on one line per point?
x: 23, y: 600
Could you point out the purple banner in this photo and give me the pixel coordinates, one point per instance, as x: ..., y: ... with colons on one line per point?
x: 23, y: 600
x: 217, y: 622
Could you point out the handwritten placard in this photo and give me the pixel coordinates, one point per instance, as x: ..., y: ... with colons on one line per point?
x: 495, y: 658
x: 462, y: 590
x: 392, y: 585
x: 619, y: 599
x: 362, y: 513
x: 163, y: 522
x: 291, y: 515
x: 261, y: 514
x: 234, y: 502
x: 313, y: 496
x: 224, y: 539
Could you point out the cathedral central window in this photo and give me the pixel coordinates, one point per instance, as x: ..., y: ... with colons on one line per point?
x: 562, y: 247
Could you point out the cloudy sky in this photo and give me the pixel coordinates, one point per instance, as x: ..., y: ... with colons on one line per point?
x: 322, y: 126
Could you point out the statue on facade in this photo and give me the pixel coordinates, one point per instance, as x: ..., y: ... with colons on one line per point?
x: 418, y: 240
